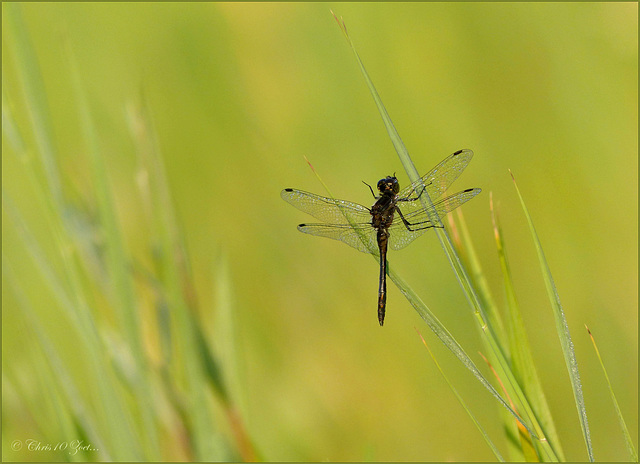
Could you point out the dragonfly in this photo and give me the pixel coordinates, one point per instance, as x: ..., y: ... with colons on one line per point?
x: 396, y: 218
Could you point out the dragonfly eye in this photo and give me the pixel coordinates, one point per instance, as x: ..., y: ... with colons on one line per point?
x: 388, y: 184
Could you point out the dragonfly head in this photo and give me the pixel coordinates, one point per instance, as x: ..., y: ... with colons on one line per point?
x: 389, y: 185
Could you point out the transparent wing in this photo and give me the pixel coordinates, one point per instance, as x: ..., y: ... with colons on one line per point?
x: 329, y: 210
x: 418, y: 220
x: 345, y: 221
x: 362, y: 237
x: 439, y: 178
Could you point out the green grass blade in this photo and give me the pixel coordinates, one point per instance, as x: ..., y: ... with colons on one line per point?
x: 9, y: 126
x: 66, y: 282
x: 464, y: 405
x: 119, y: 270
x: 36, y: 99
x: 562, y: 329
x: 464, y: 246
x: 625, y: 431
x: 495, y: 345
x: 121, y: 439
x: 521, y: 356
x: 125, y: 397
x: 73, y: 401
x: 391, y: 130
x: 448, y: 340
x: 117, y: 261
x: 412, y: 172
x: 192, y: 367
x: 477, y: 275
x: 227, y: 346
x: 225, y: 328
x: 526, y: 446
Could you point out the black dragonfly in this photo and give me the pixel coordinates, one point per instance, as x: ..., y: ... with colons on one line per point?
x: 396, y: 219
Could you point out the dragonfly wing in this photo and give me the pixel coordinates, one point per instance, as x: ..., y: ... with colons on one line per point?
x: 418, y: 218
x: 436, y: 181
x: 362, y: 237
x: 414, y: 213
x: 329, y: 210
x: 400, y: 236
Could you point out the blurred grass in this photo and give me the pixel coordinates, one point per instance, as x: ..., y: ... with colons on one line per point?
x: 519, y: 347
x: 239, y: 93
x: 486, y: 437
x: 562, y: 329
x: 623, y: 425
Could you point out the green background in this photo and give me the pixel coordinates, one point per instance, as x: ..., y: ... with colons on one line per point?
x: 240, y: 93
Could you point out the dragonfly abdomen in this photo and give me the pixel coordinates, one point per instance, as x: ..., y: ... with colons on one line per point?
x: 383, y: 239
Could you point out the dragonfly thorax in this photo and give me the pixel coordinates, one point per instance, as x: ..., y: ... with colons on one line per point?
x: 389, y: 186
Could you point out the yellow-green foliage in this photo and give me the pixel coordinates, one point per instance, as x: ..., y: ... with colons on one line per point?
x: 159, y: 304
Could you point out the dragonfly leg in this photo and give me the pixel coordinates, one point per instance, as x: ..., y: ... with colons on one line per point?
x: 413, y: 190
x: 417, y: 225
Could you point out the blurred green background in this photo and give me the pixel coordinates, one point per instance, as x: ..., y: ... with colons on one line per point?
x: 240, y: 93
